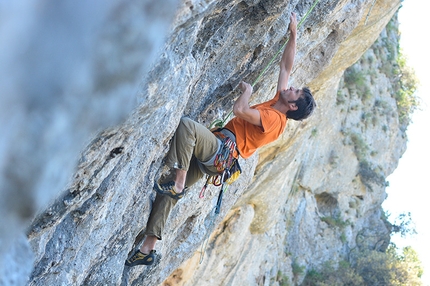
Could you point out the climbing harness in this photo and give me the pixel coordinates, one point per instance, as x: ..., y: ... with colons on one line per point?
x: 226, y: 164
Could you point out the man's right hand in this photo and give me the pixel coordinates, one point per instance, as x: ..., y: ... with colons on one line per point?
x: 288, y: 55
x: 245, y: 86
x: 293, y: 23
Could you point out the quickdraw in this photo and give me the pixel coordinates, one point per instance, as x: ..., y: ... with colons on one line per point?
x: 224, y: 158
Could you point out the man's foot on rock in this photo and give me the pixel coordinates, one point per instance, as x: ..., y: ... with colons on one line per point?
x: 139, y: 258
x: 168, y: 189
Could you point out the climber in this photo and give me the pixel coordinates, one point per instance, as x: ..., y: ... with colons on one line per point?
x: 194, y: 147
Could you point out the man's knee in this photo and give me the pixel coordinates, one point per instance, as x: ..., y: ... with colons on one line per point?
x: 185, y: 121
x: 186, y: 125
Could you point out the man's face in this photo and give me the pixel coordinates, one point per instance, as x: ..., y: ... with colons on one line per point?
x: 291, y: 95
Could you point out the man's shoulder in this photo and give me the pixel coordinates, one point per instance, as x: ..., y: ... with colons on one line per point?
x: 266, y: 104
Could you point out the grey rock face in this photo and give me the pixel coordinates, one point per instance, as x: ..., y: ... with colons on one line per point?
x: 76, y: 86
x: 67, y: 71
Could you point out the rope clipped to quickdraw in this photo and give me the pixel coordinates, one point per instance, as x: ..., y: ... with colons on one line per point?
x: 221, y: 122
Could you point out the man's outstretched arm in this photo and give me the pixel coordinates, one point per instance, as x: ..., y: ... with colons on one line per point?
x: 287, y: 59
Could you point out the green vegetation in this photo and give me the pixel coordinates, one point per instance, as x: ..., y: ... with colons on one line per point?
x: 333, y: 159
x: 355, y: 81
x: 343, y: 237
x: 366, y: 93
x: 282, y: 279
x: 335, y: 221
x: 402, y: 225
x: 393, y: 64
x: 403, y: 78
x: 369, y: 174
x: 355, y: 77
x: 314, y: 132
x: 383, y: 70
x: 341, y: 98
x: 297, y: 269
x: 360, y: 146
x: 371, y: 268
x: 330, y: 275
x: 406, y: 99
x: 390, y: 268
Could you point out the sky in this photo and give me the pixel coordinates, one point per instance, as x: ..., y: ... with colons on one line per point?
x: 409, y: 188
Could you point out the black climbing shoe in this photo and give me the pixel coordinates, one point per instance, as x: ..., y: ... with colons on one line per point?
x: 168, y: 189
x: 138, y: 258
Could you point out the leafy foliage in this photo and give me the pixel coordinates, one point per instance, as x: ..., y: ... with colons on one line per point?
x: 344, y: 274
x: 353, y: 76
x: 403, y: 225
x: 335, y: 221
x: 371, y: 268
x: 390, y: 268
x: 282, y: 279
x: 297, y: 268
x: 406, y: 98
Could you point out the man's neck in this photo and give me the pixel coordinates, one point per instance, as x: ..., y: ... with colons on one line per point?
x: 280, y: 107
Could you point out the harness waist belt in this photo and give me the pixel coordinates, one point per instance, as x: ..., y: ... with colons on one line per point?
x: 228, y: 133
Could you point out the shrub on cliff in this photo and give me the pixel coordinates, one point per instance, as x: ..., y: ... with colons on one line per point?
x: 371, y: 268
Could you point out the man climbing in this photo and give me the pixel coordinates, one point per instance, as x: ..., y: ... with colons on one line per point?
x: 194, y: 148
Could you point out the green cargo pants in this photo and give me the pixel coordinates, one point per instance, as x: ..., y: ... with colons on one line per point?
x: 191, y: 143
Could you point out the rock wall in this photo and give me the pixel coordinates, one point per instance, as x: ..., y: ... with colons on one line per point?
x: 314, y: 195
x: 317, y: 199
x: 67, y: 71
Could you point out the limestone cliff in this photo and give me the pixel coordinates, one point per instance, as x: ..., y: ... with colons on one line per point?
x: 312, y: 196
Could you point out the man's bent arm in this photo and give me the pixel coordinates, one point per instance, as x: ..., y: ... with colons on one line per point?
x: 241, y: 106
x: 287, y: 59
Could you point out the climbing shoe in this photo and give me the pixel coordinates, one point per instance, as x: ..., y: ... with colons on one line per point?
x: 168, y: 189
x: 139, y: 258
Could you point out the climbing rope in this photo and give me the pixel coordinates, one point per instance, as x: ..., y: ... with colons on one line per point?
x: 221, y: 122
x: 370, y: 11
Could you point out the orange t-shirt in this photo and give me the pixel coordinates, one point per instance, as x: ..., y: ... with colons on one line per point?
x: 249, y: 137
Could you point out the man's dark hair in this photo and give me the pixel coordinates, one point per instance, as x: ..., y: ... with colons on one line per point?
x: 305, y: 106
